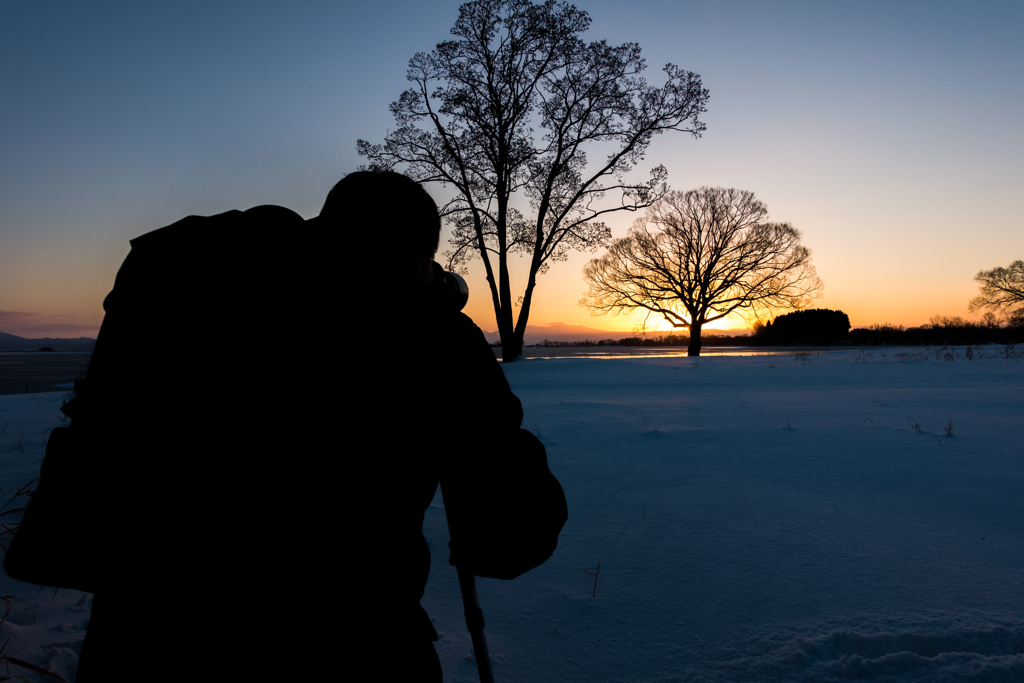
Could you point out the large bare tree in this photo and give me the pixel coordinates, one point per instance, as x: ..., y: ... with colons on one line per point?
x: 1002, y: 289
x: 468, y: 123
x: 698, y: 256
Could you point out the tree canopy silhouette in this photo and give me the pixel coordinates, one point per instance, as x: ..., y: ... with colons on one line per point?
x: 814, y: 326
x: 698, y: 256
x: 1002, y: 289
x: 468, y: 122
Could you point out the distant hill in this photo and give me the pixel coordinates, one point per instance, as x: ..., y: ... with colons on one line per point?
x: 536, y: 334
x: 10, y: 342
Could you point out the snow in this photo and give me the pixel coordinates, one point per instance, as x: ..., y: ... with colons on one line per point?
x: 761, y: 518
x: 776, y: 520
x: 44, y: 627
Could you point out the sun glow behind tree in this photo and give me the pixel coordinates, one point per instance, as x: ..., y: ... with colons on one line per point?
x: 700, y: 256
x: 469, y: 123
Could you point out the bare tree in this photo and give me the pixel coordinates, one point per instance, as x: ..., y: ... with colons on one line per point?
x: 699, y: 256
x: 467, y: 123
x: 1002, y: 289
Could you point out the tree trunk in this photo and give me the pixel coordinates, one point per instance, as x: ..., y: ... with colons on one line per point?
x: 694, y: 348
x: 506, y: 331
x: 511, y: 347
x: 516, y: 348
x: 511, y: 336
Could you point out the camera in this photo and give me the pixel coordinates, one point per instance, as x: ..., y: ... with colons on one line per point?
x: 455, y: 289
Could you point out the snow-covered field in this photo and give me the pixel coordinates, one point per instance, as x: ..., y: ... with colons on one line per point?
x: 755, y: 519
x: 43, y: 627
x: 765, y: 519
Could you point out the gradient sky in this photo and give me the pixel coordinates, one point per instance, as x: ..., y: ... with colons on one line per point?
x: 889, y: 133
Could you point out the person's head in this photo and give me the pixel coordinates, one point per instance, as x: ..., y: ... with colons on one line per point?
x: 387, y: 215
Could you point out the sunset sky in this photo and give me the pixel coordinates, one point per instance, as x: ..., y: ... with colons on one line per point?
x: 889, y: 133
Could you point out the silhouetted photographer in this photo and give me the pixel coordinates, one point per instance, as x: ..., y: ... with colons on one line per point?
x: 245, y: 500
x: 435, y: 406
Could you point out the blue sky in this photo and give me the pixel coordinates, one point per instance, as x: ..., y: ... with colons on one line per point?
x: 888, y: 133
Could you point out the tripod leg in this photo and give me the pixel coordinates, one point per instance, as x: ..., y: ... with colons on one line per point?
x: 475, y: 624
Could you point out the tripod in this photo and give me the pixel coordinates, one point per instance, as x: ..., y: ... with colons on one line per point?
x: 475, y: 623
x: 474, y: 615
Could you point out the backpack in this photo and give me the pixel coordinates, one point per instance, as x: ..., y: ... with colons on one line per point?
x: 171, y: 368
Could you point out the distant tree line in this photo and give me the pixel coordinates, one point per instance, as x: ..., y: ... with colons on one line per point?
x: 654, y: 340
x: 709, y: 339
x: 1000, y: 296
x: 813, y: 327
x: 951, y: 330
x: 824, y: 327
